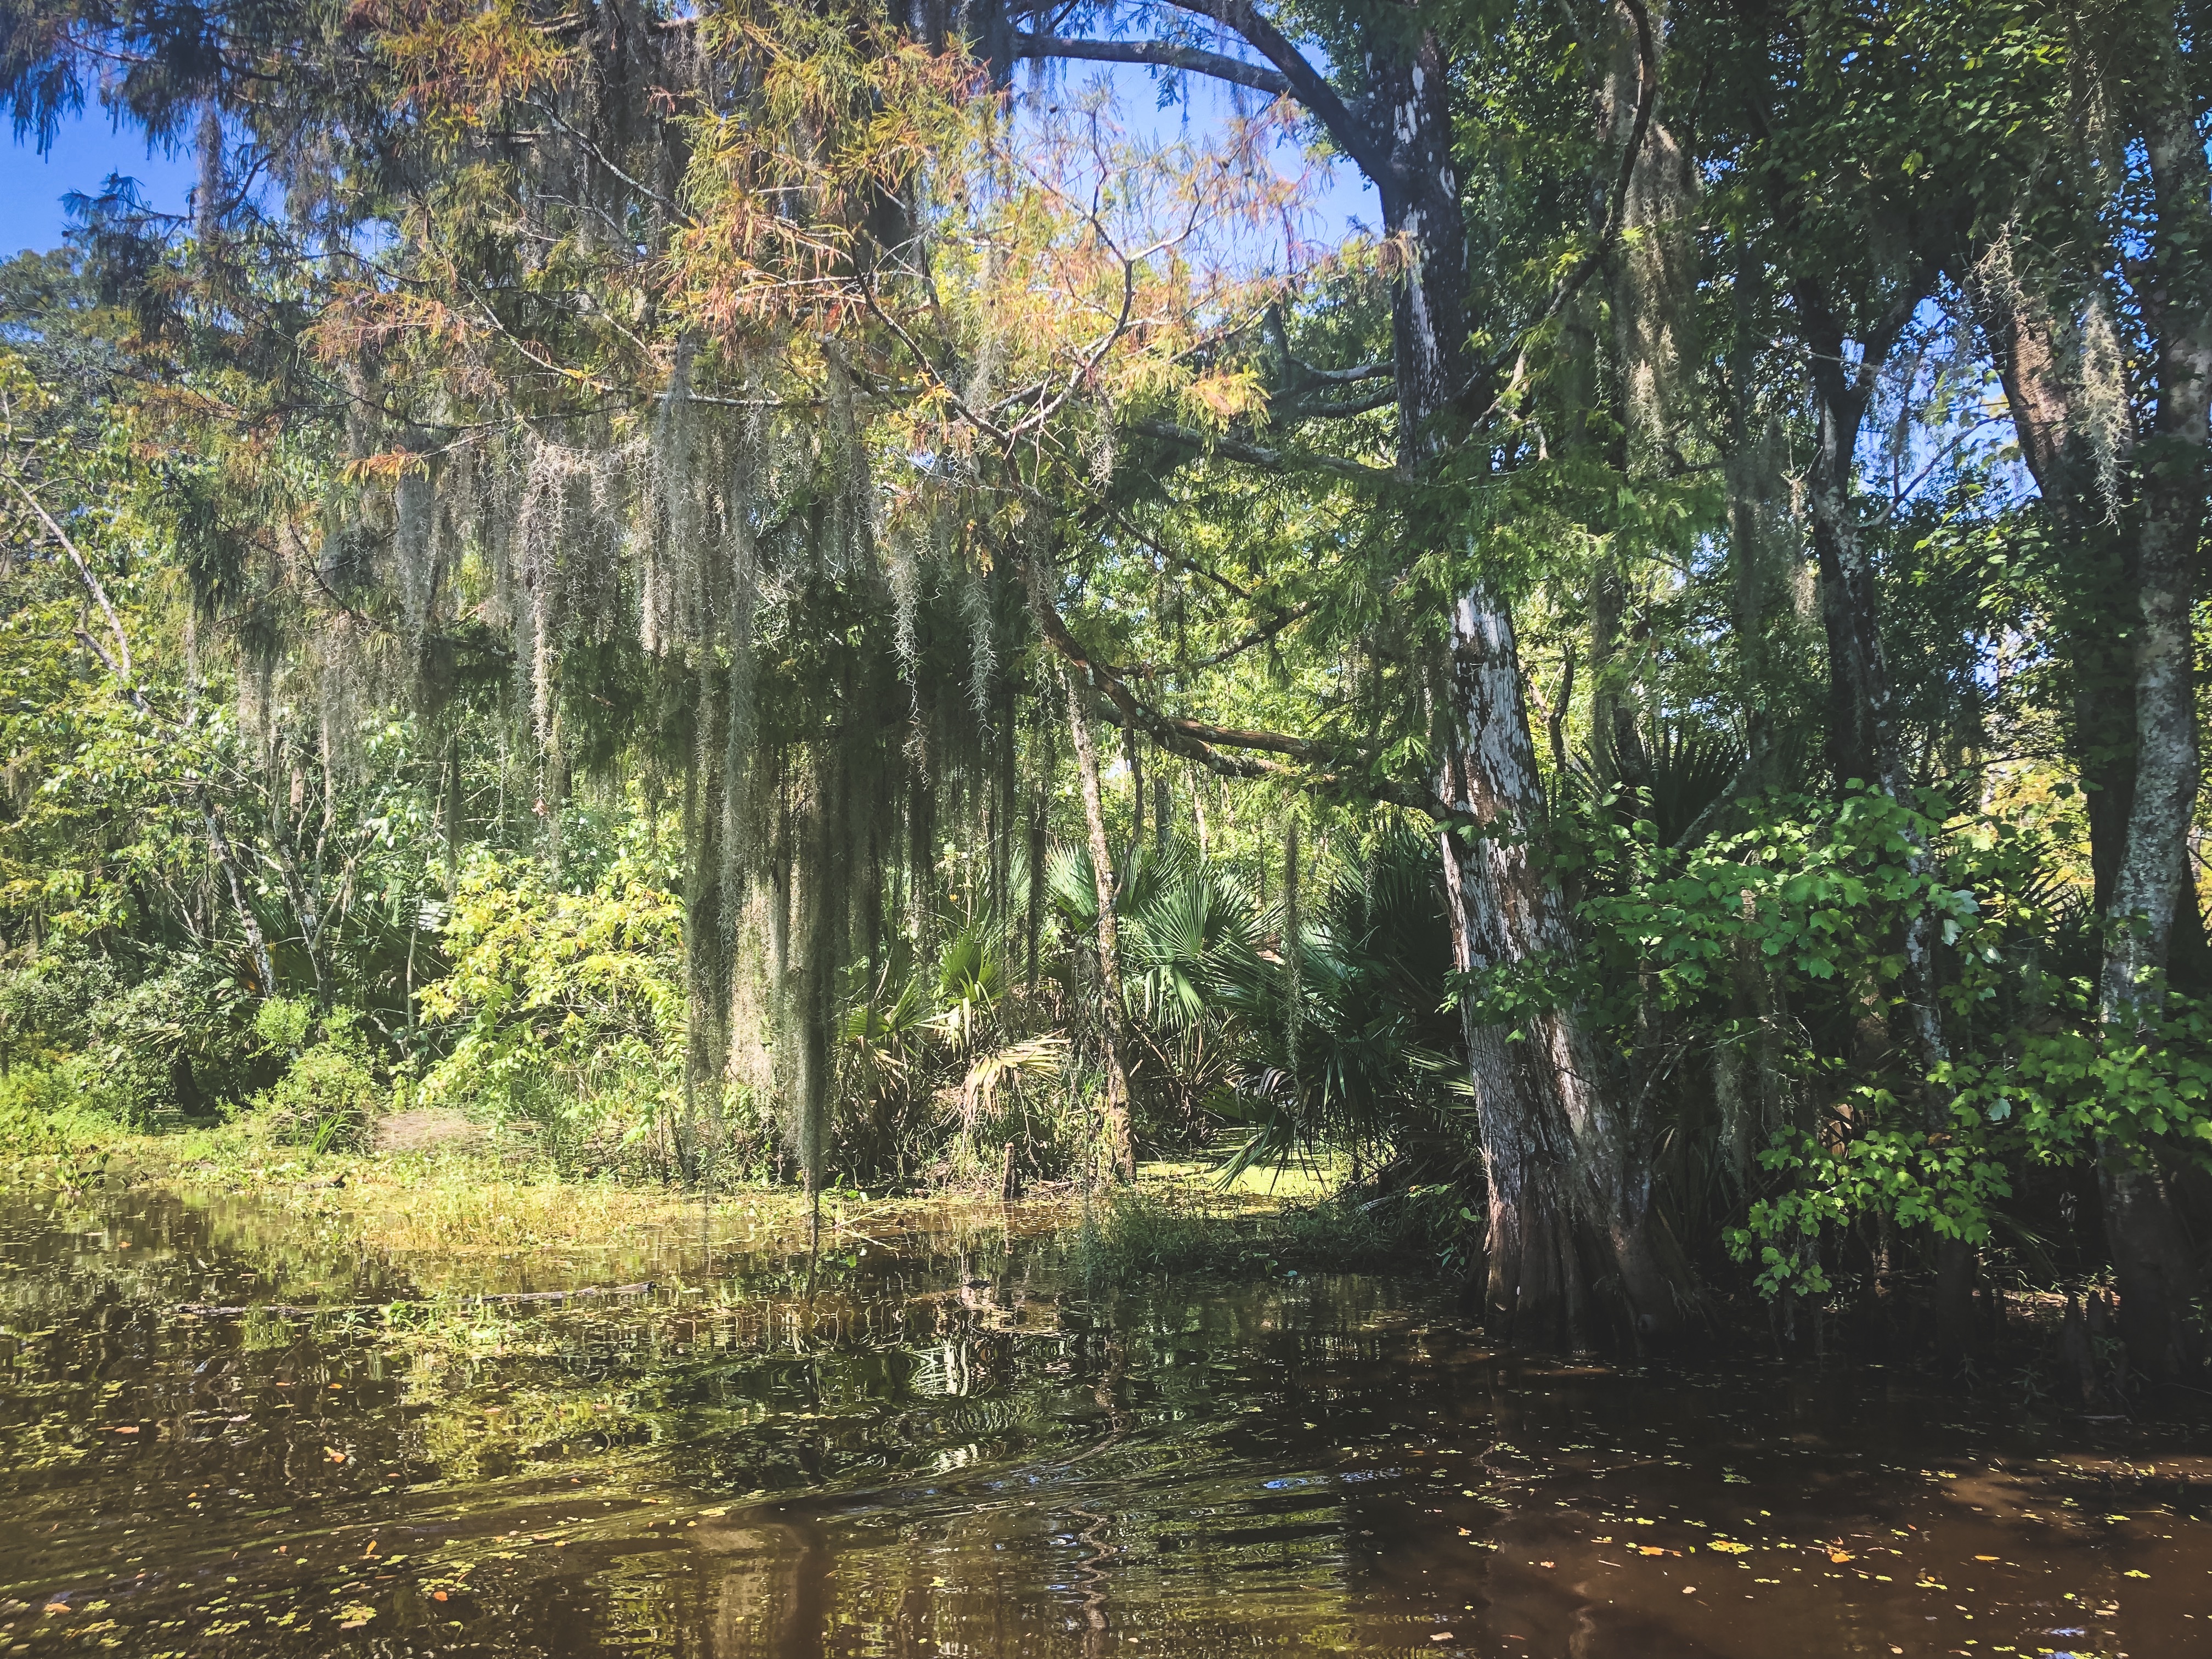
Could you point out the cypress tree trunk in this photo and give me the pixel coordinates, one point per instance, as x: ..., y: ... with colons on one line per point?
x: 1574, y: 1252
x: 2150, y: 1253
x: 1575, y: 1248
x: 2043, y: 401
x: 2133, y: 736
x: 1748, y: 1077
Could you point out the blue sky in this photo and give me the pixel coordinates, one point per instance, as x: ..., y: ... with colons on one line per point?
x: 88, y: 148
x: 86, y: 152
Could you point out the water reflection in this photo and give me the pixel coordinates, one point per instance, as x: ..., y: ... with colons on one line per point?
x: 945, y: 1448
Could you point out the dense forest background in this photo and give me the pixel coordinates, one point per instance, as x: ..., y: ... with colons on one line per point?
x: 797, y: 592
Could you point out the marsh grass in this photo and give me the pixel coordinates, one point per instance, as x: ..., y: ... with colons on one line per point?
x: 504, y: 1195
x: 455, y: 1205
x: 420, y: 1208
x: 458, y: 1203
x: 1175, y: 1226
x: 497, y: 1195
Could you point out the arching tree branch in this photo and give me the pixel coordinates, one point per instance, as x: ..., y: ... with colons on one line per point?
x: 1292, y: 74
x: 1355, y: 136
x: 1163, y: 54
x: 1230, y: 752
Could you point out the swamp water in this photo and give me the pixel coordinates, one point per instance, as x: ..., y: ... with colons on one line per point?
x: 938, y: 1444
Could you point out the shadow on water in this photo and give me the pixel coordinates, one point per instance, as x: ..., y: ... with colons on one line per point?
x: 230, y: 1431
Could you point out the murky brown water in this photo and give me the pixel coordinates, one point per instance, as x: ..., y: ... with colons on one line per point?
x: 946, y: 1449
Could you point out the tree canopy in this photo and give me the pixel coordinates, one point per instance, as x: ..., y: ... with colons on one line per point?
x: 843, y: 593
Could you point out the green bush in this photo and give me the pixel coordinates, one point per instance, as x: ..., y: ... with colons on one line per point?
x: 563, y: 1011
x: 170, y: 1036
x: 328, y: 1098
x: 46, y: 1134
x: 46, y: 1004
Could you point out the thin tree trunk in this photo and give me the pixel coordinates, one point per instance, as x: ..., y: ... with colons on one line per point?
x: 1864, y: 745
x: 2159, y: 1277
x: 1136, y: 764
x: 1117, y: 1124
x: 1755, y: 583
x: 1293, y: 927
x: 1862, y: 741
x: 812, y: 990
x: 452, y: 814
x: 1035, y: 921
x: 1616, y: 745
x: 708, y: 987
x: 264, y: 970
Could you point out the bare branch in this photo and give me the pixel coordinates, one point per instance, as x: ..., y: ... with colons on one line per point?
x: 1163, y: 54
x: 119, y: 666
x: 1350, y: 376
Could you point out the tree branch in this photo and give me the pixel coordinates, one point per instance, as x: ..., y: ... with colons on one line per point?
x: 1206, y: 745
x: 1275, y: 460
x: 1340, y: 410
x: 1163, y: 54
x: 1357, y: 373
x: 1258, y: 636
x: 118, y: 666
x: 1355, y: 136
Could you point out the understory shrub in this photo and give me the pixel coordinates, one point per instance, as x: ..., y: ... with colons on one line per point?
x: 173, y: 1035
x: 328, y: 1097
x: 47, y: 1133
x: 564, y: 1015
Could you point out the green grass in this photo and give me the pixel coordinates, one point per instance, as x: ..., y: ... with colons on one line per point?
x: 458, y: 1200
x: 1304, y: 1180
x: 1178, y: 1229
